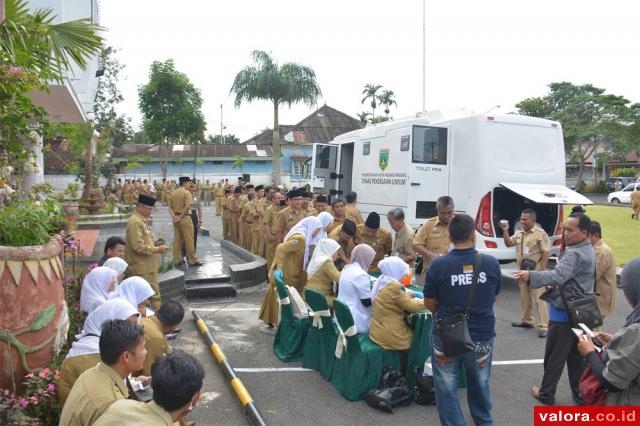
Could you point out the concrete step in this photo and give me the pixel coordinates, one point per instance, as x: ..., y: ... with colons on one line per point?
x: 222, y: 278
x: 210, y: 290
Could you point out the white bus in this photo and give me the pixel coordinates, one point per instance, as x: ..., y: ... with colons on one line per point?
x: 493, y: 166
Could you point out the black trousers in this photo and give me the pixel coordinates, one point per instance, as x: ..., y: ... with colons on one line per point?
x: 561, y: 348
x: 194, y: 220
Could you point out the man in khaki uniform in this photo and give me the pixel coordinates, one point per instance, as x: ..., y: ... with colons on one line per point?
x: 322, y: 205
x: 378, y: 238
x: 156, y: 327
x: 289, y: 216
x: 246, y: 221
x: 532, y: 244
x: 432, y: 239
x: 307, y: 205
x: 257, y: 211
x: 128, y: 193
x: 100, y: 386
x: 233, y: 205
x: 635, y: 203
x: 403, y: 240
x: 162, y: 192
x: 343, y: 235
x: 226, y: 234
x: 338, y: 213
x: 180, y: 211
x: 351, y: 211
x: 141, y: 251
x: 269, y: 239
x: 177, y: 386
x: 605, y: 286
x: 218, y: 192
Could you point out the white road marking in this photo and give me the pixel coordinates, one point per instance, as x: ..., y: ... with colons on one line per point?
x: 300, y: 369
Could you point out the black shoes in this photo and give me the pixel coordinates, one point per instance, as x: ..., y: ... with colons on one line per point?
x: 521, y: 325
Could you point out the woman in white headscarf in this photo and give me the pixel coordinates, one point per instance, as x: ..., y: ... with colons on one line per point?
x: 96, y: 287
x: 322, y: 272
x: 137, y: 291
x: 85, y: 351
x: 118, y: 264
x: 354, y: 288
x: 291, y: 257
x: 326, y: 220
x: 390, y: 304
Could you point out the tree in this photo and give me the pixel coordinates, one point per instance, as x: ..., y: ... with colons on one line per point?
x: 226, y: 140
x: 370, y: 92
x: 364, y: 117
x: 593, y: 122
x: 387, y: 99
x: 265, y: 80
x: 108, y: 122
x: 238, y: 162
x: 33, y: 52
x: 171, y: 107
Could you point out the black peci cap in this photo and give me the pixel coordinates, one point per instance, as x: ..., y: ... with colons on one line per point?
x: 146, y: 200
x: 184, y: 179
x: 349, y: 227
x: 373, y: 221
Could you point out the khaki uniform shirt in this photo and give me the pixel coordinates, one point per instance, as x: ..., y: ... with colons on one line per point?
x: 345, y: 246
x: 337, y: 221
x: 140, y: 252
x: 531, y: 244
x: 285, y: 220
x: 434, y: 236
x: 402, y: 244
x: 246, y: 212
x: 269, y: 215
x: 94, y: 391
x: 130, y: 413
x: 352, y: 213
x: 388, y: 328
x: 605, y: 287
x: 323, y: 280
x: 218, y: 190
x: 70, y: 370
x: 381, y: 242
x: 289, y: 258
x: 180, y: 200
x: 155, y: 342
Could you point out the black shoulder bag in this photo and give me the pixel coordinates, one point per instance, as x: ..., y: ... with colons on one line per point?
x: 583, y: 309
x: 453, y: 331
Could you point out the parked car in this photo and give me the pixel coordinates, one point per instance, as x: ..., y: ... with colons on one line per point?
x: 623, y: 196
x: 611, y: 183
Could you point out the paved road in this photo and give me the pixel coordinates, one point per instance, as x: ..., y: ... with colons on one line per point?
x: 305, y: 398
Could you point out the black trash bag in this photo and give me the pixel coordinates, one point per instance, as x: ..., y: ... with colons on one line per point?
x: 394, y: 390
x: 425, y: 392
x: 386, y: 399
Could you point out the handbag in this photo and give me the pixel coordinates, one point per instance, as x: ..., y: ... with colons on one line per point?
x: 583, y: 309
x: 591, y: 388
x: 453, y: 330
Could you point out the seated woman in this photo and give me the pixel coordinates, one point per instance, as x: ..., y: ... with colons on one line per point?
x: 291, y: 257
x: 390, y: 303
x: 354, y: 288
x: 118, y: 264
x: 137, y: 291
x: 96, y: 287
x: 619, y: 369
x: 322, y: 272
x: 85, y: 351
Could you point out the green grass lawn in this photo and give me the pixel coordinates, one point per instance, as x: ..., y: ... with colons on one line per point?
x: 619, y: 231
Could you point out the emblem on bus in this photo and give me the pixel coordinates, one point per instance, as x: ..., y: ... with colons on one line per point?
x: 383, y: 159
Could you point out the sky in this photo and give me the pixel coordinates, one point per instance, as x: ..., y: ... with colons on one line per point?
x: 480, y: 55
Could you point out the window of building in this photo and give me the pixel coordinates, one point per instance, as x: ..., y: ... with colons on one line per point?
x: 429, y: 145
x: 297, y: 167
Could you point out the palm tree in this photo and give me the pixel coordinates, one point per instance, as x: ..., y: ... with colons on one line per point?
x: 387, y: 99
x: 265, y: 80
x: 238, y: 163
x: 370, y: 92
x: 364, y: 117
x: 31, y: 41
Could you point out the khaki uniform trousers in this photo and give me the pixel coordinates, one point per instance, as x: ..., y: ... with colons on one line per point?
x: 270, y: 252
x: 218, y: 205
x: 225, y: 227
x: 530, y: 301
x: 183, y: 234
x: 255, y: 241
x: 152, y: 278
x: 233, y: 229
x: 246, y: 236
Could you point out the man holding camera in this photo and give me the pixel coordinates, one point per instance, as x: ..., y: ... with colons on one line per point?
x: 532, y: 254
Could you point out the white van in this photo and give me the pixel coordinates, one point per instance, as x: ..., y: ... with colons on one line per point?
x: 493, y: 166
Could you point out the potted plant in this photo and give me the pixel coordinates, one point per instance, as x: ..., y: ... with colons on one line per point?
x: 33, y: 312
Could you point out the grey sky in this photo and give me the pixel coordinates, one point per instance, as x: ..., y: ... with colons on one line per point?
x: 479, y: 54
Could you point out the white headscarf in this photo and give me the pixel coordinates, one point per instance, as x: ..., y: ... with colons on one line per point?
x: 325, y: 219
x: 306, y: 227
x: 135, y: 289
x: 323, y: 252
x: 393, y: 269
x: 89, y: 340
x: 118, y: 264
x: 95, y: 288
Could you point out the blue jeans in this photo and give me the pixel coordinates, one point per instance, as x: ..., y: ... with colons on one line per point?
x: 477, y: 366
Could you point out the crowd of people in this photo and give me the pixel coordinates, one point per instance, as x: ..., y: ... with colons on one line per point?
x: 334, y: 250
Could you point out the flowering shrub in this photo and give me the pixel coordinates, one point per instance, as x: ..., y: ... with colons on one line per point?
x: 38, y: 406
x: 30, y: 223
